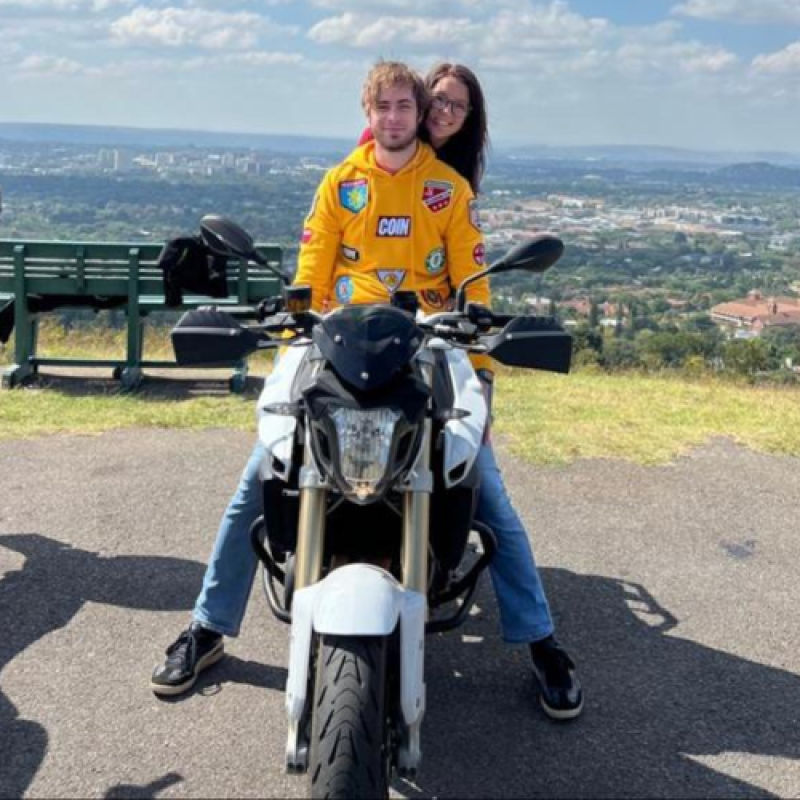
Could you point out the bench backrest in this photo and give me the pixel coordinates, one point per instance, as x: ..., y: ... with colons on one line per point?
x: 114, y: 269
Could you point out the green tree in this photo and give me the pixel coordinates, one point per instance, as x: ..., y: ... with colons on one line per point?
x: 746, y: 356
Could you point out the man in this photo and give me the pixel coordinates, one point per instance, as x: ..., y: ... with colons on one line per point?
x: 390, y: 216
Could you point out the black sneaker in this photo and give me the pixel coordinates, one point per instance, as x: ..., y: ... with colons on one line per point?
x: 194, y: 650
x: 560, y: 690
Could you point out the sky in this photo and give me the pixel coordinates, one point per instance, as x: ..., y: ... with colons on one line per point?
x: 702, y: 74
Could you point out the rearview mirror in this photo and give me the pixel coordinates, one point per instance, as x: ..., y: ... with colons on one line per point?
x: 536, y: 255
x: 225, y: 238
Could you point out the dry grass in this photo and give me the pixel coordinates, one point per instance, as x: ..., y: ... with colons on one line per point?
x: 548, y: 419
x: 557, y: 419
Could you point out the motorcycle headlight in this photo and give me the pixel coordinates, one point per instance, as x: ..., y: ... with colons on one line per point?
x: 364, y: 438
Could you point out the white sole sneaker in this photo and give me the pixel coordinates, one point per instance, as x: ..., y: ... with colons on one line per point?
x: 211, y: 657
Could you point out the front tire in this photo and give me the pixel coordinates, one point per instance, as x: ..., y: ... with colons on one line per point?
x: 349, y: 735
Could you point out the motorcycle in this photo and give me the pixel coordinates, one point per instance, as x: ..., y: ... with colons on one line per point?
x: 371, y: 422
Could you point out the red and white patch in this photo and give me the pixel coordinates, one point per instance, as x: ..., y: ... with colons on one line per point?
x: 479, y: 254
x: 437, y: 195
x: 306, y: 237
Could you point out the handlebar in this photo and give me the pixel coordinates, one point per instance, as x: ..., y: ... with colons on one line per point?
x: 462, y: 327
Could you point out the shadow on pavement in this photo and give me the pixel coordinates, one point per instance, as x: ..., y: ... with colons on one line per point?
x: 123, y: 791
x: 653, y: 702
x: 53, y: 585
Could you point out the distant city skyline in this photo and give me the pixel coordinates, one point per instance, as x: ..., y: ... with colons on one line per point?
x: 700, y: 74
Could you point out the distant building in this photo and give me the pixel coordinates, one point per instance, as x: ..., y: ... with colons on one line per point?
x: 580, y: 306
x: 123, y: 162
x: 755, y: 312
x: 105, y: 159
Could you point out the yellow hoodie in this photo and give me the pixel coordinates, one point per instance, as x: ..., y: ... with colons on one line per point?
x: 370, y: 233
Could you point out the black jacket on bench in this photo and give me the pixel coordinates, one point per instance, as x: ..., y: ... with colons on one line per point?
x: 188, y: 265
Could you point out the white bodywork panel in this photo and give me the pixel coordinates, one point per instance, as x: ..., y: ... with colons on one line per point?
x: 463, y: 437
x: 359, y: 600
x: 276, y: 431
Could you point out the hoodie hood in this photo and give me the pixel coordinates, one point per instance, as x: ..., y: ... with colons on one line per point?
x: 363, y: 158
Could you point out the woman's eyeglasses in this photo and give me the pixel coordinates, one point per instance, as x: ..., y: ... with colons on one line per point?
x: 458, y: 107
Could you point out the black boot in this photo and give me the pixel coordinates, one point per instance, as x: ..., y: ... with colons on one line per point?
x: 193, y: 651
x: 560, y: 690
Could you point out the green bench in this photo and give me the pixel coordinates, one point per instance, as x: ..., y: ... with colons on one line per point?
x: 124, y: 275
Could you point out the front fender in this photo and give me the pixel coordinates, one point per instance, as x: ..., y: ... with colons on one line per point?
x: 358, y: 600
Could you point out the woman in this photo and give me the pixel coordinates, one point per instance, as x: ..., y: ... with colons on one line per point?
x: 456, y: 123
x: 456, y: 127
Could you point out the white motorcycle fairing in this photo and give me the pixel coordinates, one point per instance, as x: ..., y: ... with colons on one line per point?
x: 356, y: 600
x: 463, y: 437
x: 276, y: 431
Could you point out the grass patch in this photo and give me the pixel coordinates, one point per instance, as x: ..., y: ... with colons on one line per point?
x: 27, y: 413
x: 554, y: 419
x: 547, y: 419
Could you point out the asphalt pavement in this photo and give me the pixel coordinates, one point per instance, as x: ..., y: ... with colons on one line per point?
x: 675, y: 589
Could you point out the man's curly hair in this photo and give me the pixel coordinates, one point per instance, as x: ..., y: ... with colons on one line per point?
x: 386, y: 74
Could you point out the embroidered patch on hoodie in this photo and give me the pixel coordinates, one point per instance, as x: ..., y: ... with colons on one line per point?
x: 437, y: 195
x: 397, y: 227
x: 350, y: 253
x: 391, y: 278
x: 353, y: 195
x: 433, y: 298
x: 435, y: 261
x: 344, y: 289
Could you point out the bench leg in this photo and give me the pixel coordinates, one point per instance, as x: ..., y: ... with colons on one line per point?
x: 130, y: 378
x: 25, y: 336
x: 238, y: 381
x: 16, y: 374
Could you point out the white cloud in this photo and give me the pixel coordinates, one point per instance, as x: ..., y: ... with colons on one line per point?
x: 52, y: 66
x: 708, y: 60
x: 397, y: 7
x: 526, y: 27
x: 783, y: 62
x: 687, y: 57
x: 742, y: 11
x: 50, y: 6
x: 168, y: 67
x: 542, y: 27
x: 183, y: 27
x: 356, y: 31
x: 226, y: 4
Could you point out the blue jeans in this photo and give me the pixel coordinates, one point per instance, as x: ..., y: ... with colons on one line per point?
x: 524, y: 613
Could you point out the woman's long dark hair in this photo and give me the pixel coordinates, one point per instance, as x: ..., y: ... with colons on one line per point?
x: 465, y: 152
